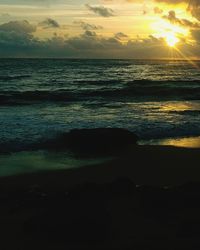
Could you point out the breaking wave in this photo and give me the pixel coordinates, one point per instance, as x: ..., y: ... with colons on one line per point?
x: 135, y: 90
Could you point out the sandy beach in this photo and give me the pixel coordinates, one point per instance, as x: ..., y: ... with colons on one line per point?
x: 145, y: 199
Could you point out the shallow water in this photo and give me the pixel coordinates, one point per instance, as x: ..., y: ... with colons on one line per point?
x: 34, y: 161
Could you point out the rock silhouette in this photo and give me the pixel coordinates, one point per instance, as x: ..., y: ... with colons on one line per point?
x: 103, y: 141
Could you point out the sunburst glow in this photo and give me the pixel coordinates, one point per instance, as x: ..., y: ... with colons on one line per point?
x: 170, y: 33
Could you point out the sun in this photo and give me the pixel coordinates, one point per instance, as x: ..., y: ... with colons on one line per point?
x: 171, y: 39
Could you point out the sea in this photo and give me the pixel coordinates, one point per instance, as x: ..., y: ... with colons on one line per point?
x: 41, y: 98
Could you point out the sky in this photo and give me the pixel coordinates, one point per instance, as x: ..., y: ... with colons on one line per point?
x: 148, y: 29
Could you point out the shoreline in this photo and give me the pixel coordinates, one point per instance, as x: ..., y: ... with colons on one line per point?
x: 146, y: 164
x: 26, y: 162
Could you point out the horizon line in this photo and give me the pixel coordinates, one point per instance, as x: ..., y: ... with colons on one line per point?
x: 77, y: 58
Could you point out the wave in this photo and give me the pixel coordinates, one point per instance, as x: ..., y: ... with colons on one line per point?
x: 98, y: 82
x: 153, y: 90
x: 141, y: 89
x: 186, y: 112
x: 25, y: 97
x: 163, y: 82
x: 14, y: 77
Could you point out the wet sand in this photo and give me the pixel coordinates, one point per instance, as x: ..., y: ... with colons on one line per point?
x: 152, y: 165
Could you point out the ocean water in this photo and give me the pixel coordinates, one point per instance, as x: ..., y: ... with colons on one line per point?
x: 40, y: 98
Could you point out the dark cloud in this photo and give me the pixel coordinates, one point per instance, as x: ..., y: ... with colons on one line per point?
x: 9, y: 39
x: 88, y: 26
x: 16, y: 38
x: 101, y: 10
x: 89, y: 33
x: 120, y: 36
x: 183, y: 22
x: 88, y: 41
x: 18, y: 27
x: 20, y: 42
x: 49, y: 23
x: 91, y: 41
x: 194, y: 8
x: 196, y: 35
x: 86, y: 45
x: 193, y: 26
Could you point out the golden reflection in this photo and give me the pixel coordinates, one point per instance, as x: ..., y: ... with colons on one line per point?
x: 191, y: 142
x: 176, y: 107
x: 188, y: 142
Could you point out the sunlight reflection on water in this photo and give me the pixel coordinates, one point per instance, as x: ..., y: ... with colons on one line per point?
x: 188, y: 142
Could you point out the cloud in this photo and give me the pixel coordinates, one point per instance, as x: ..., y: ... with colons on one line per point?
x: 34, y: 2
x: 89, y: 33
x: 18, y: 27
x: 183, y: 22
x: 120, y: 36
x: 86, y: 45
x: 101, y: 10
x: 16, y: 40
x: 172, y: 1
x: 9, y: 39
x: 5, y: 15
x: 194, y: 27
x: 157, y: 10
x: 49, y: 23
x: 88, y: 26
x: 196, y: 35
x: 194, y: 8
x: 126, y: 1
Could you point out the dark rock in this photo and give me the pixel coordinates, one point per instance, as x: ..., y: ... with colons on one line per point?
x: 95, y: 141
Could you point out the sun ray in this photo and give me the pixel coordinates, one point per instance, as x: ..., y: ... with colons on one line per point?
x: 187, y: 59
